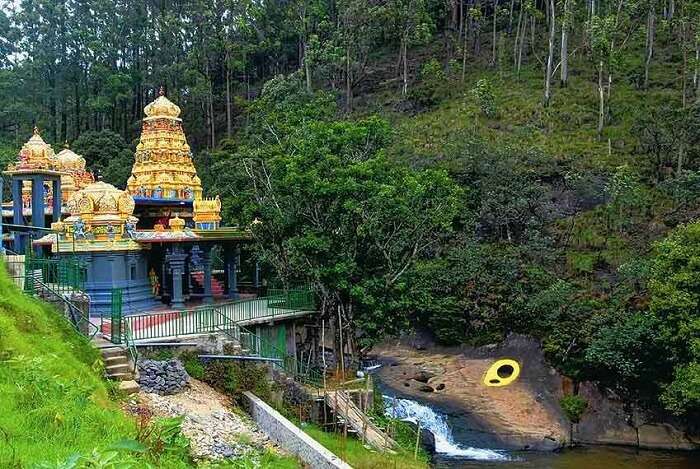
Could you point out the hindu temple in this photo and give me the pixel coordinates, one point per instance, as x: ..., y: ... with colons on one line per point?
x: 154, y: 240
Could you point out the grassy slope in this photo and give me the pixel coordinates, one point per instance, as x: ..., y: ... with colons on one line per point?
x: 354, y: 453
x: 565, y: 132
x: 54, y: 402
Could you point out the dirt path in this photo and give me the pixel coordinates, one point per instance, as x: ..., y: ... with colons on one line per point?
x: 214, y: 430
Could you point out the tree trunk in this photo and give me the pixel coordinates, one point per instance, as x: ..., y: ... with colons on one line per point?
x: 517, y: 38
x: 464, y: 56
x: 510, y: 17
x: 651, y: 17
x: 307, y: 68
x: 684, y: 68
x: 78, y: 121
x: 564, y: 73
x: 229, y: 122
x: 521, y: 45
x: 404, y: 88
x: 493, y: 46
x: 348, y: 81
x: 601, y: 100
x: 550, y: 56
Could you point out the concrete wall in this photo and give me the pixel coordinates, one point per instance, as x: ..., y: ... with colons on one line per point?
x: 291, y: 437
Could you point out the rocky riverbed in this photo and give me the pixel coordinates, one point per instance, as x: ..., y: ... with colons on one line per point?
x: 523, y: 415
x: 215, y: 431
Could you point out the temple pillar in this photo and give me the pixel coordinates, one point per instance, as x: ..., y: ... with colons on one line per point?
x: 17, y: 214
x: 208, y: 298
x: 176, y: 258
x: 38, y: 213
x: 232, y: 259
x: 56, y: 211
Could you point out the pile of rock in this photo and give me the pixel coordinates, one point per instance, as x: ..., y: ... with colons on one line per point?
x: 162, y: 377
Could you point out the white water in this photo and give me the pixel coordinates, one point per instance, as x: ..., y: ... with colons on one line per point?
x: 406, y: 409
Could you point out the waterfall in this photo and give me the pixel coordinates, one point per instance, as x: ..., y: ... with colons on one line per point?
x: 406, y: 409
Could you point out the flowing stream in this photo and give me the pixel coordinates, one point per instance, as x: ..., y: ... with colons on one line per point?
x: 407, y: 409
x: 451, y: 454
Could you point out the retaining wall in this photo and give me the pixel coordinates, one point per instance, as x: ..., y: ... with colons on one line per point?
x: 291, y: 437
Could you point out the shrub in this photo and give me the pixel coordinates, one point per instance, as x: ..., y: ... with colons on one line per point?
x: 193, y: 365
x: 573, y: 407
x: 483, y: 94
x: 234, y: 378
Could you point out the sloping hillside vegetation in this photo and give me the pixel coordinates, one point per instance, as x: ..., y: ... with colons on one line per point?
x: 54, y: 405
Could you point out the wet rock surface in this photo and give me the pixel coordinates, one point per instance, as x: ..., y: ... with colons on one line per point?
x: 215, y: 431
x: 522, y: 415
x: 162, y: 377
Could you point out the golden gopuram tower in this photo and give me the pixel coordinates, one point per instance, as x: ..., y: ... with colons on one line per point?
x: 163, y: 167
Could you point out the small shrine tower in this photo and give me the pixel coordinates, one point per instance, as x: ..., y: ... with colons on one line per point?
x: 35, y: 185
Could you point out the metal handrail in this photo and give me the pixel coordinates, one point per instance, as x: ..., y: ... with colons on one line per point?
x: 128, y: 336
x: 289, y: 363
x: 82, y: 316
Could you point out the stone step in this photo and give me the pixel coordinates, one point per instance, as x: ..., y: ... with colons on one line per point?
x: 129, y: 386
x: 116, y: 360
x: 128, y: 376
x: 112, y: 370
x: 113, y: 352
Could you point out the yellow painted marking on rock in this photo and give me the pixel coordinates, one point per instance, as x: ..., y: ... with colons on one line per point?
x: 502, y: 373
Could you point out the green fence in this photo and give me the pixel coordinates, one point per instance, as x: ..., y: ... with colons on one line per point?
x: 63, y: 275
x: 275, y: 349
x: 213, y: 318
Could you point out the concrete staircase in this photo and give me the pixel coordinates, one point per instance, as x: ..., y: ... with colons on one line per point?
x: 217, y: 287
x: 118, y: 365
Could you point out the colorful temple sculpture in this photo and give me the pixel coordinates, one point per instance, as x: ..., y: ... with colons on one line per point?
x: 74, y: 176
x: 153, y: 241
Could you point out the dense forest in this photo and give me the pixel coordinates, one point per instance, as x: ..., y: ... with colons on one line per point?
x: 465, y: 168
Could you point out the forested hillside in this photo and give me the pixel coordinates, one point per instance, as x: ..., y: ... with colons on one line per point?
x: 466, y: 168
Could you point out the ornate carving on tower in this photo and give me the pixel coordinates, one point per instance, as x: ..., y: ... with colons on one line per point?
x: 100, y: 212
x: 74, y: 175
x: 207, y: 213
x: 163, y: 167
x: 35, y: 154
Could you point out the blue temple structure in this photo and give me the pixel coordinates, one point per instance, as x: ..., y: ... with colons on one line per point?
x: 155, y: 241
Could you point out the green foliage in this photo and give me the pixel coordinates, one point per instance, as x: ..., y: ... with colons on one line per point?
x: 234, y: 378
x: 106, y: 154
x: 335, y: 211
x: 193, y: 365
x: 432, y: 84
x: 573, y: 407
x: 50, y: 379
x: 357, y: 455
x: 483, y: 95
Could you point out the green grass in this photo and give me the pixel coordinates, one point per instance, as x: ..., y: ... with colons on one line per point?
x: 54, y: 403
x: 354, y: 452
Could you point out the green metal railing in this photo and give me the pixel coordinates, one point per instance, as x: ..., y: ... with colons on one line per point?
x: 211, y: 318
x: 64, y: 275
x: 255, y: 345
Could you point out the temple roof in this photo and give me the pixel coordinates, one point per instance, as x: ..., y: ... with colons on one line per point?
x: 163, y: 167
x: 68, y: 160
x: 162, y: 107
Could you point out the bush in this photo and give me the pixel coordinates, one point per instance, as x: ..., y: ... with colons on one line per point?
x: 483, y: 94
x: 433, y: 81
x: 234, y: 378
x: 193, y: 365
x: 573, y: 407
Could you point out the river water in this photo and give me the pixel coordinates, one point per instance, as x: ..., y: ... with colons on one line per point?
x: 456, y: 454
